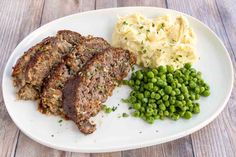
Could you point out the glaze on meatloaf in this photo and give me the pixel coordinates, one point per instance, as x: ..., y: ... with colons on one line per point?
x: 31, y: 69
x: 83, y: 95
x: 51, y: 97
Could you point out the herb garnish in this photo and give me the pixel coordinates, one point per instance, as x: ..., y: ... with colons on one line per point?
x: 125, y: 115
x: 60, y: 121
x: 125, y: 23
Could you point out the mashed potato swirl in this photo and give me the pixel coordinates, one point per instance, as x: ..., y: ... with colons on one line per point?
x: 159, y: 41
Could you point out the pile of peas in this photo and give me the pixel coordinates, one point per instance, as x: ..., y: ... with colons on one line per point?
x: 165, y: 92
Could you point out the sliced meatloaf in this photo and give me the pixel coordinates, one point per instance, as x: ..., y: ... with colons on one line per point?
x: 83, y: 95
x: 51, y: 97
x: 19, y: 69
x: 34, y: 66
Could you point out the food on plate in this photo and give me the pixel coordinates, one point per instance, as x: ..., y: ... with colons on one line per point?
x: 83, y: 95
x: 35, y: 64
x: 51, y: 97
x: 165, y: 92
x: 88, y: 67
x: 163, y: 40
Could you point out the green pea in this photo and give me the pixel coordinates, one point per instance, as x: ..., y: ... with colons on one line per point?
x: 189, y: 102
x: 136, y: 87
x: 140, y: 96
x: 152, y: 100
x: 184, y: 89
x: 137, y: 106
x: 150, y: 74
x: 167, y: 103
x: 155, y: 89
x: 196, y: 109
x: 136, y: 113
x: 162, y: 69
x: 166, y: 113
x: 172, y: 108
x: 188, y: 115
x: 161, y: 113
x: 173, y: 93
x: 132, y: 99
x: 155, y: 71
x: 161, y: 92
x: 157, y: 96
x: 192, y: 97
x: 168, y: 89
x: 165, y: 98
x: 180, y: 97
x: 181, y: 113
x: 139, y: 75
x: 154, y: 80
x: 180, y: 80
x: 202, y: 89
x: 133, y: 76
x: 142, y: 109
x: 146, y: 94
x: 188, y: 65
x: 145, y: 100
x: 172, y: 101
x: 197, y: 97
x: 153, y: 95
x: 206, y: 93
x: 177, y: 91
x: 159, y: 102
x: 192, y: 84
x: 175, y: 117
x: 197, y: 90
x: 162, y: 107
x: 150, y: 120
x: 131, y: 83
x: 150, y: 110
x: 150, y: 85
x: 170, y: 68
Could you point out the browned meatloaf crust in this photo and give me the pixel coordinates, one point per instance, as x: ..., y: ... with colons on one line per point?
x: 51, y: 97
x: 83, y: 95
x: 35, y: 64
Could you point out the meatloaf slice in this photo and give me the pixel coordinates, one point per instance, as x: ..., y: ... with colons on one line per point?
x: 51, y: 97
x: 83, y: 95
x: 38, y: 66
x: 19, y: 69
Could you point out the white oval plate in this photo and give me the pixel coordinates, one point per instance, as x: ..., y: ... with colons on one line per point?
x: 113, y: 133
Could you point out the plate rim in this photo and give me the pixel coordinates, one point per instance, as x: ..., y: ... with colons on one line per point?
x: 130, y: 146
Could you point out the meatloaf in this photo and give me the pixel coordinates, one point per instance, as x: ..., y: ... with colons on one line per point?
x: 83, y: 95
x: 35, y: 64
x: 51, y: 97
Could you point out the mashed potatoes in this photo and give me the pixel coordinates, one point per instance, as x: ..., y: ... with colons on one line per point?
x: 159, y: 41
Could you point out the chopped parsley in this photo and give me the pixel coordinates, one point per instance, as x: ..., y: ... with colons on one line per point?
x: 125, y: 115
x: 125, y: 38
x: 60, y: 121
x: 148, y: 30
x: 141, y: 27
x: 125, y: 23
x: 108, y: 109
x: 153, y: 25
x: 114, y: 108
x: 162, y: 25
x: 125, y: 100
